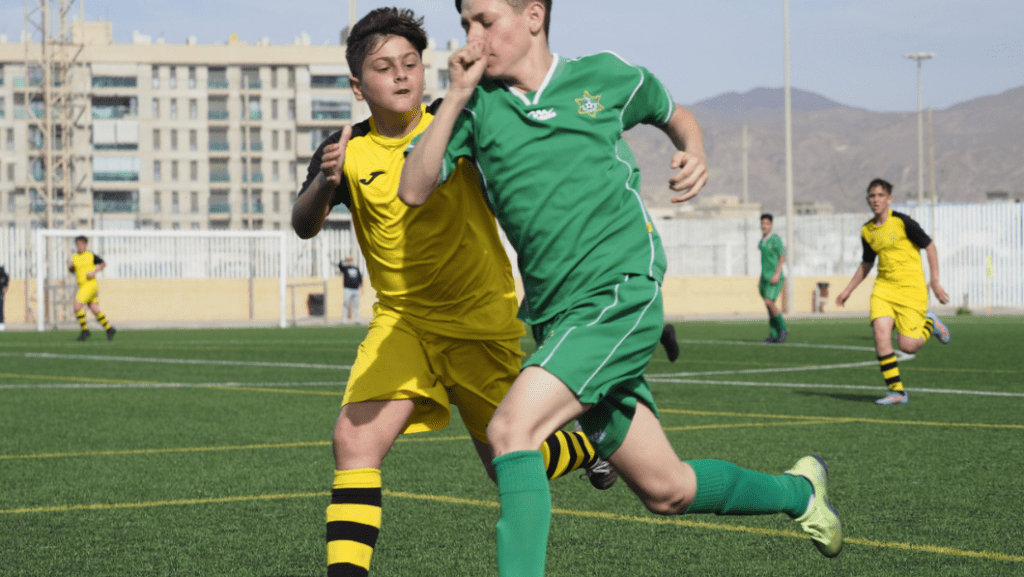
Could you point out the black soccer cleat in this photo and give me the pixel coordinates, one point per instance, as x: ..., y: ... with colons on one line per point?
x: 84, y: 335
x: 110, y: 333
x: 668, y: 340
x: 782, y: 336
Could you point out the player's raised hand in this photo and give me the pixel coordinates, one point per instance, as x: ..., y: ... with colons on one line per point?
x: 692, y: 175
x: 466, y: 67
x: 333, y: 160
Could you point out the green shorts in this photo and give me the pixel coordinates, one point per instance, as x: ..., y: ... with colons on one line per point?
x: 600, y: 348
x: 770, y: 291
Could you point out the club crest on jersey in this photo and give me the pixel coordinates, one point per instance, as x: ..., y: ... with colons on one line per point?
x: 590, y: 104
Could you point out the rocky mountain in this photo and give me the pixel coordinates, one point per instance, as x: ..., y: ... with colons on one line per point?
x: 838, y: 149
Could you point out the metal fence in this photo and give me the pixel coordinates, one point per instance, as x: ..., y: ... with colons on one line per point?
x: 981, y: 251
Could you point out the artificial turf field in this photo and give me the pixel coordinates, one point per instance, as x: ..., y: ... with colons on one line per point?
x: 206, y: 452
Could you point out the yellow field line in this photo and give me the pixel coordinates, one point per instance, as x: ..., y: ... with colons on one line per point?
x: 289, y: 391
x: 817, y: 419
x: 76, y: 379
x: 741, y: 425
x: 129, y: 452
x: 987, y: 555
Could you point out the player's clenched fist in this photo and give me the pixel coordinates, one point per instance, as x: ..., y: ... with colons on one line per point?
x: 333, y: 159
x: 466, y: 66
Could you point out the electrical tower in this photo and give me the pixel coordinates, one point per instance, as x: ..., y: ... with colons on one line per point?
x: 55, y: 100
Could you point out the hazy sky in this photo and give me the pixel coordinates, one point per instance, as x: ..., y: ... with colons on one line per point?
x: 851, y: 51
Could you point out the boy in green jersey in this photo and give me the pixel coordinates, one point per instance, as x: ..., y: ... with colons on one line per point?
x: 773, y: 256
x: 545, y: 133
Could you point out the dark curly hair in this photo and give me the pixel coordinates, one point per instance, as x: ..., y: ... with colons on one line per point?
x: 375, y: 28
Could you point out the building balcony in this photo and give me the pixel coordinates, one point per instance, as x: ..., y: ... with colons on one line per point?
x: 255, y: 177
x: 257, y: 208
x: 115, y: 206
x: 255, y: 115
x: 220, y: 176
x: 219, y: 115
x: 254, y: 146
x: 331, y: 115
x: 115, y: 176
x: 254, y: 85
x: 220, y: 208
x: 219, y: 147
x: 217, y: 85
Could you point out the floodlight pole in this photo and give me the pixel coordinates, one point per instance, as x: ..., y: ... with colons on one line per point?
x: 790, y: 220
x: 920, y: 57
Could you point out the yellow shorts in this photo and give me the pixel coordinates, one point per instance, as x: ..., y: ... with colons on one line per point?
x: 909, y: 317
x: 397, y: 361
x: 88, y: 293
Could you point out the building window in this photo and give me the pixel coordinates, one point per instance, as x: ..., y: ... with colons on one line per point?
x: 174, y: 139
x: 443, y: 79
x: 273, y: 109
x: 291, y: 109
x: 174, y: 109
x: 156, y: 139
x: 176, y: 225
x: 193, y: 109
x: 331, y: 110
x: 193, y: 205
x: 274, y: 171
x: 277, y: 202
x: 334, y: 81
x: 174, y: 205
x: 156, y: 77
x: 173, y: 79
x: 156, y: 202
x: 287, y: 139
x: 254, y: 109
x: 193, y: 140
x: 191, y: 76
x: 156, y: 108
x: 174, y: 170
x: 156, y: 170
x: 10, y: 139
x: 195, y: 226
x: 273, y: 76
x: 193, y: 171
x: 273, y: 140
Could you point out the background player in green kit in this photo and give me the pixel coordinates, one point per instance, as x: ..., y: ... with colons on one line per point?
x: 546, y: 135
x: 773, y: 256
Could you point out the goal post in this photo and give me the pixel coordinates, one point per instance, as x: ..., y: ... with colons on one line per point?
x: 206, y: 272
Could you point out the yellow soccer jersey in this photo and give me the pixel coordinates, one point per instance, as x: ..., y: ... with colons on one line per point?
x: 898, y: 244
x: 84, y: 263
x: 441, y: 266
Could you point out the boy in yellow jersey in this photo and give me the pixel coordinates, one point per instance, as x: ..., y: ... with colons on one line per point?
x: 85, y: 265
x: 900, y: 296
x: 444, y: 330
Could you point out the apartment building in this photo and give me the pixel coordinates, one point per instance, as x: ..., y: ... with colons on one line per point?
x: 179, y: 136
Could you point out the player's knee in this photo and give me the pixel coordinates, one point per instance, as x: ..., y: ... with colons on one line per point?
x: 667, y: 501
x: 505, y: 436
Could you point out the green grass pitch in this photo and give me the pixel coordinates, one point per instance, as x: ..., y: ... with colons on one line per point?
x: 206, y: 452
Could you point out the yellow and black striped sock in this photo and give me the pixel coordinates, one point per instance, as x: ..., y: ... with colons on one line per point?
x: 564, y: 452
x: 891, y: 372
x: 80, y: 315
x: 928, y: 326
x: 353, y: 522
x: 102, y: 318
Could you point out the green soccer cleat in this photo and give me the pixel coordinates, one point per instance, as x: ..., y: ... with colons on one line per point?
x: 820, y: 521
x: 894, y: 398
x: 939, y: 328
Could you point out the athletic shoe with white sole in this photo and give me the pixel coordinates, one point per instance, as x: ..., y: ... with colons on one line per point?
x: 894, y: 398
x: 820, y: 521
x: 939, y: 328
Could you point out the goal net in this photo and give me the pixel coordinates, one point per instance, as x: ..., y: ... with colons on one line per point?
x: 168, y: 278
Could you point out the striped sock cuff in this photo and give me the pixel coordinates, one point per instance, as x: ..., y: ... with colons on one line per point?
x: 890, y: 372
x: 353, y: 522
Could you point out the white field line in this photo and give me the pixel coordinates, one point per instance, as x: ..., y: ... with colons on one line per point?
x: 108, y: 359
x: 775, y: 345
x: 662, y: 379
x: 339, y: 384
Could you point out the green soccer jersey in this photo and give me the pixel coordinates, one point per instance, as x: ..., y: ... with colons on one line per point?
x: 771, y: 251
x: 560, y: 178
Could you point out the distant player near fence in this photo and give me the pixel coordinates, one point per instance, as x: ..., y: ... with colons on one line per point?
x: 773, y: 256
x: 85, y: 264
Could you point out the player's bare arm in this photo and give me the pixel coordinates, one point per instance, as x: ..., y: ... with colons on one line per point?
x: 312, y: 206
x: 684, y: 131
x: 421, y: 174
x: 858, y: 277
x: 933, y: 267
x: 778, y: 270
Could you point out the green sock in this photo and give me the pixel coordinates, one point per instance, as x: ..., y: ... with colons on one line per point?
x: 781, y: 323
x: 525, y: 520
x: 725, y: 489
x: 774, y: 327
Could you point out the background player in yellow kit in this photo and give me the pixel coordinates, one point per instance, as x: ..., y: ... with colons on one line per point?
x: 84, y: 264
x: 444, y: 329
x: 900, y: 296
